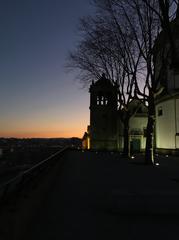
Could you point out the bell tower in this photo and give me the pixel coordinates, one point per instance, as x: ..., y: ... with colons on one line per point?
x: 103, y: 115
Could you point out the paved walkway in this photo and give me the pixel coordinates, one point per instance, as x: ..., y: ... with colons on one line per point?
x: 101, y: 196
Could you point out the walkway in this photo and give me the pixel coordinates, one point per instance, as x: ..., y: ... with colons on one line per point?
x: 102, y: 196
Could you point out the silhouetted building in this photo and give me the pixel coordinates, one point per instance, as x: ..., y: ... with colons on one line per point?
x: 106, y: 128
x: 103, y: 115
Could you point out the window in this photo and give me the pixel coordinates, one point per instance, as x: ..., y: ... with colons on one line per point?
x: 105, y: 101
x: 98, y: 101
x: 160, y: 111
x: 102, y: 100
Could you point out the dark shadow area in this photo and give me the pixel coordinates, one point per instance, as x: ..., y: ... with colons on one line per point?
x: 99, y: 195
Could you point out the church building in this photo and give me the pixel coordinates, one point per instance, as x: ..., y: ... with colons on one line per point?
x: 106, y: 128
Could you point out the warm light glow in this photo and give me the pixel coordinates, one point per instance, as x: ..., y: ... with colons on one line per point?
x: 88, y: 143
x: 48, y: 130
x: 66, y: 122
x: 45, y: 134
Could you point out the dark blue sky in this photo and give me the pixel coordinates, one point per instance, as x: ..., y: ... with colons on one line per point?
x: 37, y: 97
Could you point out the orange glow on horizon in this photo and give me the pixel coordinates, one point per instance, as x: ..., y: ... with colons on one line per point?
x: 45, y: 127
x: 44, y: 134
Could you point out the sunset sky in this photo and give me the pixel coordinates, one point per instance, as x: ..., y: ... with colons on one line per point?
x: 37, y: 97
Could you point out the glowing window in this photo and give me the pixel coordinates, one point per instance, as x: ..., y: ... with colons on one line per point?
x: 102, y: 100
x: 106, y: 101
x: 98, y: 101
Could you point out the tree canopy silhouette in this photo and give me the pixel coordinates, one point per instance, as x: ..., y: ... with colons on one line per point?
x: 120, y: 42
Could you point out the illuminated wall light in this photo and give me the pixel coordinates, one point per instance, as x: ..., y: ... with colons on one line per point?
x: 157, y: 164
x: 166, y: 156
x: 132, y: 157
x: 88, y: 143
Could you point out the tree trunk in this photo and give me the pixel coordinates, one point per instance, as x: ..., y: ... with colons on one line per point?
x: 126, y: 149
x: 149, y: 150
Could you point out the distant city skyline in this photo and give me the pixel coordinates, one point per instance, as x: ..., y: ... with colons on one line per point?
x: 37, y: 97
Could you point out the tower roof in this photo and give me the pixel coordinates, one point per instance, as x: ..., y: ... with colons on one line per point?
x: 103, y: 81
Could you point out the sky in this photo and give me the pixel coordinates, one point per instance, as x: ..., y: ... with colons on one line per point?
x: 38, y: 98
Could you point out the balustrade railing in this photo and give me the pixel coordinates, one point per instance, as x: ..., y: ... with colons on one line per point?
x: 17, y: 183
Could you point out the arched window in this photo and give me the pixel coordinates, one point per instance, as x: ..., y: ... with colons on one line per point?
x: 102, y: 100
x: 98, y: 100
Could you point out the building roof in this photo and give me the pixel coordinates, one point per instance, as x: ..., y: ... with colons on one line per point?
x: 103, y: 81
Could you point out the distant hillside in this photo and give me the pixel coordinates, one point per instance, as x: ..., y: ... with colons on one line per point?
x: 35, y: 142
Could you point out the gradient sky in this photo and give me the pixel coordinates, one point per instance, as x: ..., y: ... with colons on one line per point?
x: 37, y: 97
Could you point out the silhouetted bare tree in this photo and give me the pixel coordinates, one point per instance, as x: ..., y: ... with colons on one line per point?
x: 108, y: 47
x: 144, y: 26
x: 167, y: 11
x: 119, y: 41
